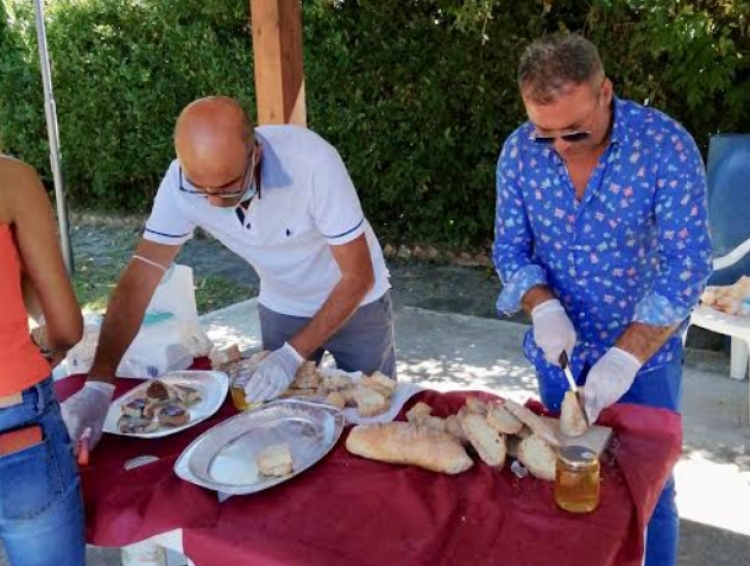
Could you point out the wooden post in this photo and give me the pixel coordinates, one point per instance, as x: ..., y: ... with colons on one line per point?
x: 277, y: 48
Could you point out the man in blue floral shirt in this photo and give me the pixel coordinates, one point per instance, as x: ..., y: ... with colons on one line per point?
x: 602, y: 236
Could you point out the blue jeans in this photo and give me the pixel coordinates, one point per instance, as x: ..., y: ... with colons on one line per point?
x: 41, y: 507
x: 660, y: 386
x: 364, y: 343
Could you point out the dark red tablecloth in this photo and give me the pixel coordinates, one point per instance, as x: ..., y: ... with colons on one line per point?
x: 348, y: 511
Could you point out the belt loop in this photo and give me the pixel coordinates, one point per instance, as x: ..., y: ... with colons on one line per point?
x: 40, y: 401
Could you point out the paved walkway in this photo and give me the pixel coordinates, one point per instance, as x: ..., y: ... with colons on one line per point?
x: 449, y: 351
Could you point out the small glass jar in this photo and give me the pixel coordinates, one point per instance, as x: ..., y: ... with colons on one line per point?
x: 577, y: 479
x: 238, y: 394
x: 239, y: 376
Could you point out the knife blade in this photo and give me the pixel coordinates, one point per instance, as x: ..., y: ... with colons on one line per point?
x: 565, y: 365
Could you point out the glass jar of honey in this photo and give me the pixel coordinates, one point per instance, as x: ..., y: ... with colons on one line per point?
x: 577, y: 479
x: 239, y: 376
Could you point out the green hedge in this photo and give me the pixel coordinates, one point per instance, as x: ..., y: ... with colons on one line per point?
x: 418, y: 95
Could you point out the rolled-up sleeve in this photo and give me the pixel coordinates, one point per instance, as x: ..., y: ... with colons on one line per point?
x: 685, y: 252
x: 513, y: 246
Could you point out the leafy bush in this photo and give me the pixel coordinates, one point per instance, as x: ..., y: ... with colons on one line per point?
x: 418, y: 95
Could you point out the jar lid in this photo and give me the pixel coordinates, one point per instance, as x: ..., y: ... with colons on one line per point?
x: 577, y: 456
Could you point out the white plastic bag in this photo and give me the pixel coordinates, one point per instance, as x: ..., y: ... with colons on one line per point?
x: 168, y: 340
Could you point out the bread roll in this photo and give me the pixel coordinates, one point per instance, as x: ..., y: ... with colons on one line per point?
x: 503, y: 421
x: 375, y: 385
x: 476, y: 405
x: 406, y: 443
x: 370, y: 403
x: 134, y: 408
x: 538, y: 457
x: 173, y: 415
x: 453, y: 426
x: 350, y: 396
x: 337, y: 382
x: 533, y: 421
x: 336, y: 399
x: 307, y: 376
x: 433, y: 422
x: 135, y: 425
x: 187, y: 396
x: 276, y: 460
x: 157, y: 391
x: 384, y: 381
x: 572, y: 421
x: 489, y: 444
x: 418, y: 412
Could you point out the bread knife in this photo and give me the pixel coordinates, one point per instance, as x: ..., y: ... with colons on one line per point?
x: 565, y: 365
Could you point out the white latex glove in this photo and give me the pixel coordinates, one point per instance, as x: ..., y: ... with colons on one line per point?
x: 553, y: 331
x: 274, y: 374
x: 608, y: 380
x: 87, y: 409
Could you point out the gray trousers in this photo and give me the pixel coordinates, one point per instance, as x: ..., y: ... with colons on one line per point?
x: 365, y: 343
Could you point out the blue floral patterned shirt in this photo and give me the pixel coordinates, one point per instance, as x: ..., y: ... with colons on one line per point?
x: 636, y: 248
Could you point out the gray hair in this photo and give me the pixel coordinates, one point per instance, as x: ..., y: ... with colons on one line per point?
x: 550, y: 65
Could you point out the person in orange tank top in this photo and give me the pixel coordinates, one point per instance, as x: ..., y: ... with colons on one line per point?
x: 41, y: 507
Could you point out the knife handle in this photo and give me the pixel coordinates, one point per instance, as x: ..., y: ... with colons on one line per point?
x: 564, y: 362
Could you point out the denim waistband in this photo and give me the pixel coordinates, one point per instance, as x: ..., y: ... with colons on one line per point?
x: 39, y: 395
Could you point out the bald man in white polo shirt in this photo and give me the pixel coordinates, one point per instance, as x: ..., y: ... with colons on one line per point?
x: 281, y: 198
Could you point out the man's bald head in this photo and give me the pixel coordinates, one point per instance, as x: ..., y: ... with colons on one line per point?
x: 212, y: 139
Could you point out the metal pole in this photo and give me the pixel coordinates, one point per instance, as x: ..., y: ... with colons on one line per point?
x: 53, y: 135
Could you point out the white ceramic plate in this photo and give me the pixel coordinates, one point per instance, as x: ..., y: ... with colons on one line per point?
x: 213, y: 386
x: 224, y: 458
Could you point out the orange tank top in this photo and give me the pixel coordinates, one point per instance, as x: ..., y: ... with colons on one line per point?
x: 21, y: 363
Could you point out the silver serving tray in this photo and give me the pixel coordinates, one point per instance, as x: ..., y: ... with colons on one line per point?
x: 224, y: 458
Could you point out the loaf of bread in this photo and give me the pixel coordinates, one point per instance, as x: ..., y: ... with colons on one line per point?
x: 489, y: 444
x: 406, y: 443
x: 503, y: 421
x: 538, y: 457
x: 572, y: 421
x: 533, y: 421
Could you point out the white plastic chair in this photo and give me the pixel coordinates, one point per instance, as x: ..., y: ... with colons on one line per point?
x: 738, y: 328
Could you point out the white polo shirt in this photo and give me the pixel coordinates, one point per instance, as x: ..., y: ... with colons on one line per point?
x: 307, y: 203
